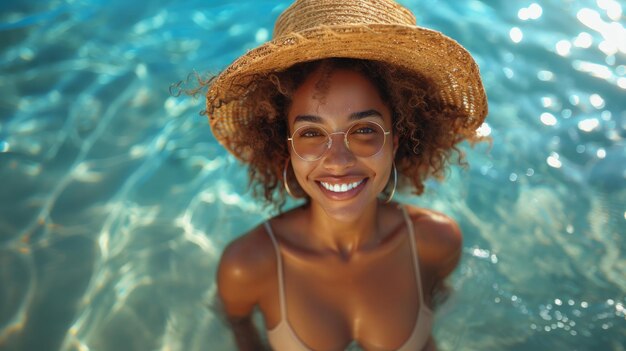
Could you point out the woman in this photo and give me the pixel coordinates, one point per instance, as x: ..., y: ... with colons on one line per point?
x: 347, y: 103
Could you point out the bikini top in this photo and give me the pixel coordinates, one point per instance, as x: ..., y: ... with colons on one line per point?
x: 283, y: 338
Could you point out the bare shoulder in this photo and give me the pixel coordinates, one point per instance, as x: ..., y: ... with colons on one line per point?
x: 435, y: 227
x: 249, y: 250
x: 439, y: 238
x: 244, y: 269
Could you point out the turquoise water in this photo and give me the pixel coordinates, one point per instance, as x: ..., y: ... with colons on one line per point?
x: 116, y: 201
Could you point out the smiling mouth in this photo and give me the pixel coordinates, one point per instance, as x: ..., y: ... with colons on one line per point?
x: 341, y: 188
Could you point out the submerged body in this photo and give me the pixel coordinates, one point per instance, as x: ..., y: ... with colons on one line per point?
x: 371, y: 296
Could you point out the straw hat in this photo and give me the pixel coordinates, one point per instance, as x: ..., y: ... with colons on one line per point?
x: 380, y: 30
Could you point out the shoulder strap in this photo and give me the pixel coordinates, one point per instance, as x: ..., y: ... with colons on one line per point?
x: 279, y: 263
x: 416, y: 265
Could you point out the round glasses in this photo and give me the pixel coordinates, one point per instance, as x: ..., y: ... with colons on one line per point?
x: 363, y: 139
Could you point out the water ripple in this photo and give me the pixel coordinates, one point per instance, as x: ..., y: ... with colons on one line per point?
x: 116, y: 200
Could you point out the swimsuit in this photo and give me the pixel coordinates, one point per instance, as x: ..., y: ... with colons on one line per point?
x: 283, y: 338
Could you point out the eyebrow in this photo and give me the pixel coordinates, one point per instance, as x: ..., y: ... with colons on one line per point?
x: 308, y: 118
x: 364, y: 114
x: 353, y: 117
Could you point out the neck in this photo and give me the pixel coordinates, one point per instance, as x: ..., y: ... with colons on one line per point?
x: 344, y: 235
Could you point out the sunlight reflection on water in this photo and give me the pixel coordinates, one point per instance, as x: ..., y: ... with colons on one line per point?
x: 116, y: 200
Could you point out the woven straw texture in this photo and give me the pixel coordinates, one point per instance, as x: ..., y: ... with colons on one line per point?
x: 380, y: 30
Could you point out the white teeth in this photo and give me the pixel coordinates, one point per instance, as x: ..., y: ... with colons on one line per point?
x: 341, y: 188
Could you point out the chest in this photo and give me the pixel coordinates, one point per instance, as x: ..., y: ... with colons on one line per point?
x: 374, y: 300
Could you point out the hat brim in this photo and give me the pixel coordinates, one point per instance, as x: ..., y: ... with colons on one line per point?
x: 440, y: 59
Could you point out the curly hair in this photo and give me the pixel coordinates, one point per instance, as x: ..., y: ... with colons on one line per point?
x: 427, y: 129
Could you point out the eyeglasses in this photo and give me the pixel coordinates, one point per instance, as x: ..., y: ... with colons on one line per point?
x: 363, y: 139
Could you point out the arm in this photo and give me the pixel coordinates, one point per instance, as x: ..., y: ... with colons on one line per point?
x: 440, y: 251
x: 240, y: 283
x: 441, y: 245
x: 245, y: 333
x: 430, y: 345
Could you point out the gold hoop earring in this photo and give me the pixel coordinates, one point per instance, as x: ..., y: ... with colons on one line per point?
x: 395, y: 183
x: 285, y: 183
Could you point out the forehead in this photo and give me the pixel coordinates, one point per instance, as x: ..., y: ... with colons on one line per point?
x: 336, y: 95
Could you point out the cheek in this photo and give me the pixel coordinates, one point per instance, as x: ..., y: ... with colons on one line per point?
x: 301, y: 168
x: 388, y: 152
x: 382, y: 163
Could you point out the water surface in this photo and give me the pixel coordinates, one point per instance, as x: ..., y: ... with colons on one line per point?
x: 116, y: 200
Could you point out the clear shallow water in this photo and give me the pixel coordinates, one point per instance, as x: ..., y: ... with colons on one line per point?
x: 116, y: 201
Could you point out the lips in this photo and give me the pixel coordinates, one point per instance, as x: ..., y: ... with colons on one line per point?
x: 341, y: 188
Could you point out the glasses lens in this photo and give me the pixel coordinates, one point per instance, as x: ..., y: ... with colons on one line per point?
x: 365, y: 139
x: 310, y: 143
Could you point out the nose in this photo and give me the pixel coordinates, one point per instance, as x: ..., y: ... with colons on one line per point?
x: 338, y: 156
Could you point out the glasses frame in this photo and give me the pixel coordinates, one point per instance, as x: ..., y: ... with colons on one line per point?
x: 329, y: 143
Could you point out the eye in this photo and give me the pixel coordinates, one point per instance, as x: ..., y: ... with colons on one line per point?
x: 364, y: 130
x: 310, y: 133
